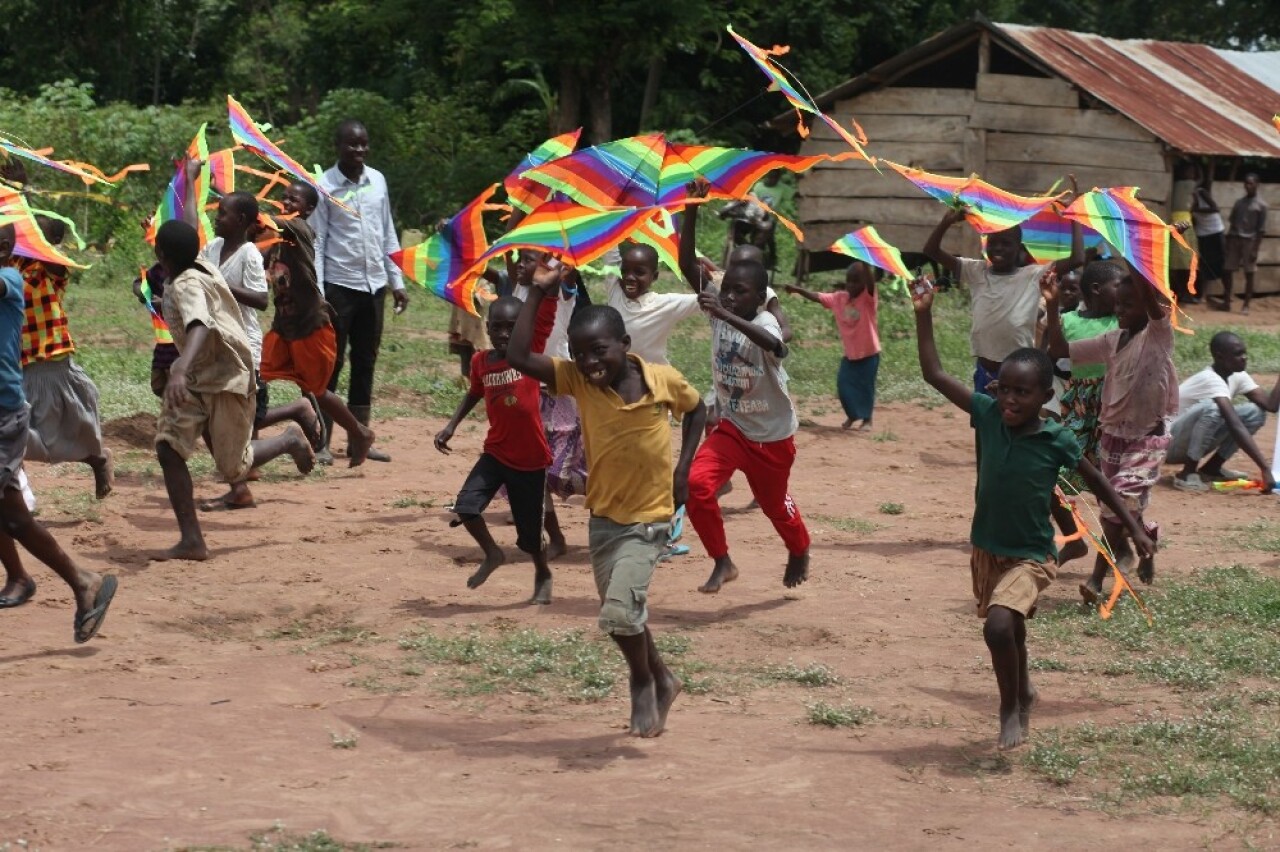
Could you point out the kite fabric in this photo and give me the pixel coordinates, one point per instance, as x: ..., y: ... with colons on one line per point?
x: 247, y: 134
x: 1121, y: 582
x: 1047, y: 236
x: 447, y: 262
x: 1140, y: 236
x: 660, y: 234
x: 867, y: 245
x: 524, y: 194
x: 222, y: 171
x: 577, y: 234
x: 28, y: 239
x: 801, y: 101
x: 85, y: 171
x: 986, y: 207
x: 159, y: 327
x: 175, y: 200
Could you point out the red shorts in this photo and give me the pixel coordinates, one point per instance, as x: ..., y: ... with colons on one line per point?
x: 307, y: 362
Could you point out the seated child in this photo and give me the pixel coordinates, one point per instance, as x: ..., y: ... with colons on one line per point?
x: 854, y: 307
x: 632, y: 488
x: 93, y: 592
x: 515, y: 449
x: 1207, y: 422
x: 757, y: 425
x: 210, y: 388
x: 1138, y: 398
x: 1013, y: 557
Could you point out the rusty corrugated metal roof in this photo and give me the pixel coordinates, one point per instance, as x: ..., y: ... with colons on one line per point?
x: 1197, y: 99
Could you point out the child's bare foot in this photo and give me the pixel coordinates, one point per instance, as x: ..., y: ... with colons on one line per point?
x: 644, y: 710
x: 667, y: 687
x: 358, y: 444
x: 541, y: 590
x: 556, y: 548
x: 1026, y: 704
x: 847, y: 424
x: 723, y: 572
x: 300, y: 450
x: 797, y: 570
x: 1072, y: 550
x: 183, y: 550
x: 1011, y: 735
x: 492, y: 560
x: 1090, y: 591
x: 104, y: 475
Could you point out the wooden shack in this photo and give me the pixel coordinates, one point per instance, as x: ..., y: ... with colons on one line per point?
x: 1023, y: 107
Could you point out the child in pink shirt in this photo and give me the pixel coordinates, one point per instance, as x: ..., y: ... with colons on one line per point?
x: 855, y: 312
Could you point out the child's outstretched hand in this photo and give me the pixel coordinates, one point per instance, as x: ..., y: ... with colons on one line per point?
x: 442, y: 440
x: 794, y: 289
x: 550, y: 273
x: 922, y: 294
x: 698, y: 188
x: 1075, y: 189
x: 1144, y: 545
x: 1049, y: 285
x: 710, y: 302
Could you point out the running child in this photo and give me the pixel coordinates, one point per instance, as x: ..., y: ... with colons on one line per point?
x: 63, y: 399
x: 854, y: 308
x: 210, y: 387
x: 515, y: 449
x: 1094, y: 315
x: 649, y: 317
x: 1013, y: 558
x: 1139, y: 398
x: 93, y: 592
x: 632, y: 489
x: 757, y: 425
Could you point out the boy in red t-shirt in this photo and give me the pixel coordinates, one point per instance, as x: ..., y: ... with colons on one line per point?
x: 515, y: 454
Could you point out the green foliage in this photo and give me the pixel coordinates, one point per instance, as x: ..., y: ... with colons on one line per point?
x: 830, y: 716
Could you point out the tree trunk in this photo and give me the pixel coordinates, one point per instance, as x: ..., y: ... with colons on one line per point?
x: 651, y: 85
x: 568, y: 115
x: 599, y: 96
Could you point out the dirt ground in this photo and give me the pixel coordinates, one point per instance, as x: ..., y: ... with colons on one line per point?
x: 204, y: 712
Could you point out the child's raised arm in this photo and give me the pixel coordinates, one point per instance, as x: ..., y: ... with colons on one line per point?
x: 930, y: 363
x: 710, y: 302
x: 690, y: 268
x: 1057, y: 341
x: 1076, y: 259
x: 1101, y: 486
x: 933, y: 248
x: 520, y: 347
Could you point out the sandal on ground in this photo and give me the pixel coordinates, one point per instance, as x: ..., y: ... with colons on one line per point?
x: 88, y: 623
x: 1191, y: 482
x: 27, y: 593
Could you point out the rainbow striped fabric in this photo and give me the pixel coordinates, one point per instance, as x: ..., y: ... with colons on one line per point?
x: 85, y: 171
x: 623, y: 173
x: 447, y: 262
x: 222, y: 171
x: 780, y: 81
x: 175, y: 199
x: 29, y: 240
x: 1047, y: 236
x: 577, y: 234
x: 246, y: 133
x: 159, y: 328
x: 987, y: 207
x: 524, y: 194
x: 867, y: 245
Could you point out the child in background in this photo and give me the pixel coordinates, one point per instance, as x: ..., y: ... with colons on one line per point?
x: 649, y: 317
x: 1139, y: 397
x: 632, y: 489
x: 93, y: 592
x: 1094, y: 315
x: 1013, y: 544
x: 515, y: 449
x: 855, y: 309
x: 1247, y: 225
x: 757, y: 425
x: 63, y: 399
x: 163, y: 354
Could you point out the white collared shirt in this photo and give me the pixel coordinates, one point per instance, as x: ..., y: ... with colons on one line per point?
x: 352, y: 251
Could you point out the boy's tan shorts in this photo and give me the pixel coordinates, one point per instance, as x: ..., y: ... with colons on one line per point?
x: 623, y: 558
x: 1012, y: 582
x: 229, y: 420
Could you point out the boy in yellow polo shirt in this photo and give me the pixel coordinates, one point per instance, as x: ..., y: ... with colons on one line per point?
x: 632, y: 489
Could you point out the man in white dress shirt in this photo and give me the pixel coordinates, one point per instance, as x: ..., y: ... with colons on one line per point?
x: 353, y: 267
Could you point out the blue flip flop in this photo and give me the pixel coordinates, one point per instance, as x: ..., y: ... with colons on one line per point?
x: 674, y: 550
x: 677, y: 527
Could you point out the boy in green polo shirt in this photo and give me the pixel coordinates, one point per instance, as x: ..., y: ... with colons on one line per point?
x: 1014, y: 555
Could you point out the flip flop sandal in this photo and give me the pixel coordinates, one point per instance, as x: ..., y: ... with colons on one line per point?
x: 89, y: 623
x: 28, y: 592
x: 677, y: 526
x: 316, y: 435
x: 225, y: 506
x: 674, y: 550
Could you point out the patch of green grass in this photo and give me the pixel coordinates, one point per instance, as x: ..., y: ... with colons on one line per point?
x: 891, y: 508
x: 410, y: 501
x: 1047, y: 664
x: 344, y: 741
x: 847, y: 716
x: 74, y: 501
x: 321, y: 628
x: 852, y: 525
x: 1260, y: 535
x: 884, y: 436
x: 278, y: 839
x: 814, y: 674
x: 1054, y: 760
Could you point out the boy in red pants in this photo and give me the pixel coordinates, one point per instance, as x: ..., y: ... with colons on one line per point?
x: 757, y: 424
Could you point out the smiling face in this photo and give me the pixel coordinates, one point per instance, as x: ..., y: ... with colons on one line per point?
x: 1131, y: 311
x: 1003, y: 248
x: 639, y: 271
x: 1020, y: 393
x: 299, y: 199
x: 353, y: 147
x: 599, y: 353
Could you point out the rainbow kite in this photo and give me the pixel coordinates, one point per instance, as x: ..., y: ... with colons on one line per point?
x: 1139, y: 235
x: 867, y: 245
x: 524, y: 194
x: 659, y: 233
x: 780, y: 80
x: 246, y: 133
x: 577, y: 234
x: 29, y: 240
x: 85, y: 171
x: 986, y: 207
x: 175, y: 200
x: 447, y: 263
x: 222, y: 171
x: 159, y: 327
x: 1047, y: 236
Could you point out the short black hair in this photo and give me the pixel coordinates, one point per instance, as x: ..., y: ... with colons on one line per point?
x: 603, y: 315
x: 242, y: 204
x: 1100, y: 272
x: 1037, y: 358
x: 650, y: 253
x: 54, y: 230
x: 1221, y: 340
x: 503, y: 303
x: 179, y: 243
x: 753, y: 271
x: 1015, y: 231
x: 308, y: 192
x: 8, y: 235
x: 345, y: 125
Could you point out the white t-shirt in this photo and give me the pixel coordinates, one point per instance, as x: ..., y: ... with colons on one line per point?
x: 243, y: 269
x: 1207, y: 384
x: 750, y: 383
x: 651, y: 318
x: 558, y: 341
x: 1005, y: 307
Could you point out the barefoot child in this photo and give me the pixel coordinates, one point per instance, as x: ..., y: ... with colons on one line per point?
x: 210, y: 387
x: 63, y: 399
x: 854, y: 307
x: 1094, y: 314
x: 1139, y: 398
x: 755, y: 433
x: 93, y: 592
x: 649, y: 317
x: 515, y: 449
x: 632, y: 488
x: 1013, y: 543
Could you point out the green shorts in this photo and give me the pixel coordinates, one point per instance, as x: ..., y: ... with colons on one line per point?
x: 623, y: 557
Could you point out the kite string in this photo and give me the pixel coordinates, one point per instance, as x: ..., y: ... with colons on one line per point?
x: 733, y: 111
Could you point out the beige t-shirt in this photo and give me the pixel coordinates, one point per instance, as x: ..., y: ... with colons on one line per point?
x: 1005, y: 307
x: 225, y: 363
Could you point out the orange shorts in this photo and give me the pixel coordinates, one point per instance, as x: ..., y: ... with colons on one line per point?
x: 307, y: 362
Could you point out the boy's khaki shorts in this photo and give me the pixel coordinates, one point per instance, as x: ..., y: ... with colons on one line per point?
x: 228, y: 417
x: 1012, y: 582
x: 623, y: 557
